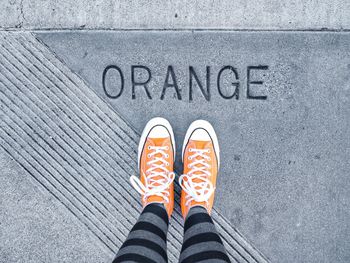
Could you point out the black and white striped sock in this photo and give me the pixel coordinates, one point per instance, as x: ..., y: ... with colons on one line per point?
x: 202, y: 242
x: 147, y: 239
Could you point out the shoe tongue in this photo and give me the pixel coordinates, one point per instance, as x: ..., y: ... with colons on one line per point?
x: 157, y: 142
x: 200, y: 144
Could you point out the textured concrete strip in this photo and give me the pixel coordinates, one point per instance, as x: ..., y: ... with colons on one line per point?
x: 36, y: 228
x: 77, y: 147
x: 221, y: 14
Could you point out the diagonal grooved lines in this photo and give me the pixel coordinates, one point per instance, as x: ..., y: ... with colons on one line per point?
x: 116, y: 183
x: 78, y: 148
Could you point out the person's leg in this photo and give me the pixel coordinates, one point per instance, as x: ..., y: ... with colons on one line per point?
x: 201, y: 161
x: 201, y: 240
x: 147, y: 239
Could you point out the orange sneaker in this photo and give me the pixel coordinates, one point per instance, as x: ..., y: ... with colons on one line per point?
x: 156, y: 154
x: 201, y: 159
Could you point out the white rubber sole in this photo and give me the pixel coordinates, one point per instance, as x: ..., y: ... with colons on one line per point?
x: 202, y: 124
x: 158, y: 121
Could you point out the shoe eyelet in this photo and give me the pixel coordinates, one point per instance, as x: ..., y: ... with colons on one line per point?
x: 208, y: 151
x: 209, y: 159
x: 167, y: 156
x: 166, y: 147
x: 148, y: 156
x: 167, y: 164
x: 189, y: 166
x: 149, y: 147
x: 189, y: 157
x: 190, y: 149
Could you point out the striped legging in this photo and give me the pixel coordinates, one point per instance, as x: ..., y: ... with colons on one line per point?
x: 146, y: 242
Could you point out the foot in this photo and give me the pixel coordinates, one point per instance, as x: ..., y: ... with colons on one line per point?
x: 200, y: 155
x: 156, y: 154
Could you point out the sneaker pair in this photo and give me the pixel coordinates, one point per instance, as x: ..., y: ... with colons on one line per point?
x: 156, y: 155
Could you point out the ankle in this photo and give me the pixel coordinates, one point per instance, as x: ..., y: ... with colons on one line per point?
x: 197, y: 209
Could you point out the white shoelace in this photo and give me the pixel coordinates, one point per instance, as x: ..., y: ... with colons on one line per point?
x: 196, y: 182
x: 157, y: 178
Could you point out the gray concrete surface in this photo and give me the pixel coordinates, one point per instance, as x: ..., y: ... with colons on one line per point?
x: 35, y: 227
x: 179, y: 14
x: 285, y: 160
x: 79, y: 150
